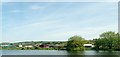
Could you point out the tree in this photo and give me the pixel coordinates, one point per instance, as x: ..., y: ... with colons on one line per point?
x: 109, y: 36
x: 108, y: 40
x: 75, y: 43
x: 88, y: 42
x: 117, y: 42
x: 97, y: 44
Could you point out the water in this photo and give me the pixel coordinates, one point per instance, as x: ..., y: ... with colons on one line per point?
x: 57, y: 52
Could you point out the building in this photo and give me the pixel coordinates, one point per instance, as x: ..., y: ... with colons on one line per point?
x: 20, y: 45
x: 44, y: 46
x: 28, y: 46
x: 4, y: 45
x: 88, y: 45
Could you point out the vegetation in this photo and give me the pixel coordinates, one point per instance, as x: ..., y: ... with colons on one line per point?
x: 108, y: 41
x: 75, y: 43
x: 47, y: 45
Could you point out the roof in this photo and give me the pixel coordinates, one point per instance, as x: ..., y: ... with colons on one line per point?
x: 87, y: 44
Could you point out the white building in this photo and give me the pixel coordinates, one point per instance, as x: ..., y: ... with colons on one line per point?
x: 29, y: 46
x: 4, y: 45
x: 88, y: 45
x: 20, y: 45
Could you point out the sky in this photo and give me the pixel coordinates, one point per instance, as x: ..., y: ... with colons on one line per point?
x: 57, y: 21
x: 60, y: 0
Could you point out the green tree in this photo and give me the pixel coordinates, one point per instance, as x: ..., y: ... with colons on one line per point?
x: 97, y: 44
x: 117, y: 42
x: 109, y: 37
x: 108, y: 40
x: 75, y: 43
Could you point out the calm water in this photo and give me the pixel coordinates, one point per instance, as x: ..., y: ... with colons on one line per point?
x: 57, y: 52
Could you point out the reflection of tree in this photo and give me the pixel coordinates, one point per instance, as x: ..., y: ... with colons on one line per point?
x: 75, y: 54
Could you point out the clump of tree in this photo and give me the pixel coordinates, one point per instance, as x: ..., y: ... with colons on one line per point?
x: 75, y: 43
x: 108, y: 41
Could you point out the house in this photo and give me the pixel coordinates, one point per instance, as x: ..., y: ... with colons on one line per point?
x: 20, y: 46
x: 88, y: 45
x: 44, y: 46
x: 57, y: 45
x: 4, y: 45
x: 28, y: 46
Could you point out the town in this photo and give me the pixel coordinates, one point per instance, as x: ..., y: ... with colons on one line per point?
x: 39, y: 45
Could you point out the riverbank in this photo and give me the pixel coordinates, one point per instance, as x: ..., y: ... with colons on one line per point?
x: 107, y: 41
x: 58, y: 52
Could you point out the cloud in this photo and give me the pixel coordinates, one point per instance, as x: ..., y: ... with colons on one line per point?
x: 16, y: 11
x: 0, y: 3
x: 63, y: 23
x: 60, y: 0
x: 87, y: 33
x: 51, y: 30
x: 36, y: 7
x: 31, y: 30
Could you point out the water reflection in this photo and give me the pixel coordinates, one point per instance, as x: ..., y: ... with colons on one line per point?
x: 63, y: 53
x: 75, y: 53
x: 93, y: 53
x: 0, y: 53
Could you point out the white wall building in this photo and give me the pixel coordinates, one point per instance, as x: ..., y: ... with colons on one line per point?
x: 88, y: 45
x: 29, y: 46
x: 4, y: 45
x: 20, y: 45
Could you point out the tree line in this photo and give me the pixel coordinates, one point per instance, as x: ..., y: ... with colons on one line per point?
x: 107, y: 41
